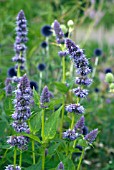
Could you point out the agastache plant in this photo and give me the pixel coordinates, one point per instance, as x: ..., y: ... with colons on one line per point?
x: 21, y: 39
x: 22, y: 102
x: 81, y: 64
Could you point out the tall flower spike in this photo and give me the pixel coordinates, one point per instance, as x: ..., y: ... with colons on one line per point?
x: 45, y: 97
x: 21, y: 39
x: 80, y: 125
x: 90, y: 137
x: 59, y: 33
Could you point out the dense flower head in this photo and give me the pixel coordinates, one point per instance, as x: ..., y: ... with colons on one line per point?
x: 82, y: 93
x: 80, y: 124
x: 33, y: 84
x: 21, y: 28
x: 59, y: 33
x: 44, y: 44
x: 19, y: 141
x: 60, y: 166
x: 12, y: 72
x: 76, y: 108
x: 11, y: 167
x: 20, y: 40
x: 20, y: 126
x: 90, y: 137
x: 23, y: 100
x: 70, y: 134
x: 45, y: 97
x: 83, y: 71
x: 97, y: 52
x: 46, y: 30
x: 83, y: 81
x: 108, y: 70
x: 41, y: 67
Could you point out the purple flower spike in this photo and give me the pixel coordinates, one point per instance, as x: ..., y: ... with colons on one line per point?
x: 60, y: 166
x: 59, y: 33
x: 20, y: 40
x: 80, y: 124
x: 90, y: 137
x: 76, y: 108
x: 82, y: 93
x: 45, y: 97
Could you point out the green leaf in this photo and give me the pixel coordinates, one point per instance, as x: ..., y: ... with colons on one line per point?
x: 61, y: 87
x: 35, y: 123
x: 51, y: 124
x: 54, y: 102
x: 35, y: 138
x: 36, y: 97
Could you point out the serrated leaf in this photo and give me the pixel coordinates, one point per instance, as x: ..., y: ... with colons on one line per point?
x: 61, y: 87
x: 55, y: 102
x: 51, y: 124
x: 35, y: 123
x: 35, y: 138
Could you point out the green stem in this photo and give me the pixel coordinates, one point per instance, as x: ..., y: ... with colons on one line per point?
x: 63, y: 65
x: 43, y: 136
x: 72, y: 123
x: 15, y: 154
x: 20, y: 159
x: 62, y: 119
x: 40, y: 82
x: 18, y: 71
x: 80, y: 161
x: 43, y: 158
x: 43, y: 140
x: 33, y: 151
x: 95, y: 67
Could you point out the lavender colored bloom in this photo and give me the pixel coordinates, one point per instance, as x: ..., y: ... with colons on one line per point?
x: 59, y: 33
x: 83, y: 71
x: 45, y: 97
x: 80, y: 125
x: 11, y: 167
x: 9, y: 90
x: 81, y: 62
x: 8, y: 81
x: 23, y: 100
x: 60, y: 166
x: 76, y: 108
x: 21, y: 39
x: 83, y: 81
x: 20, y: 126
x: 70, y: 134
x: 90, y: 137
x: 62, y: 53
x: 82, y: 93
x: 19, y: 141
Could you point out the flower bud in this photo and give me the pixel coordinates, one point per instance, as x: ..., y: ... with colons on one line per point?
x: 109, y: 78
